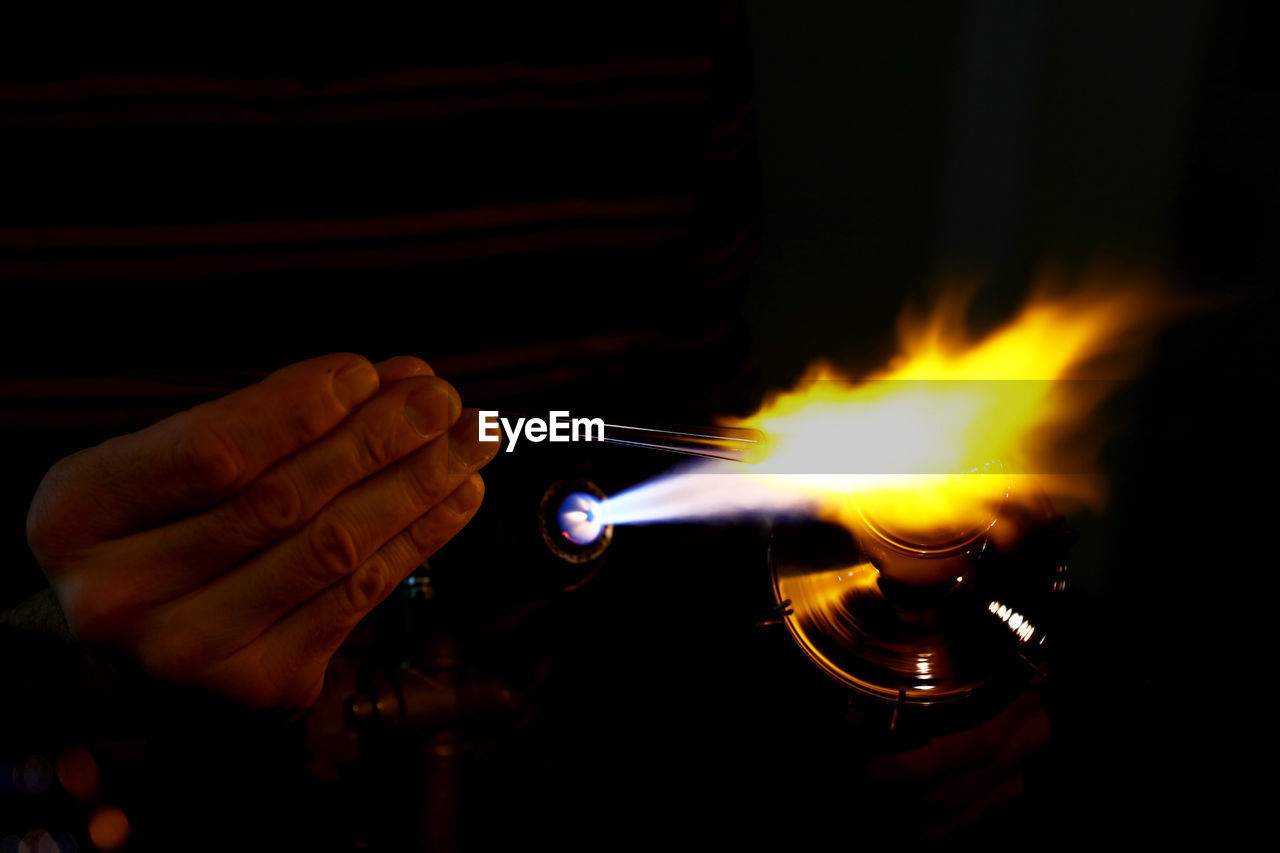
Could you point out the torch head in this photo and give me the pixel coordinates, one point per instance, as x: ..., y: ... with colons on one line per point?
x: 580, y: 518
x: 572, y: 521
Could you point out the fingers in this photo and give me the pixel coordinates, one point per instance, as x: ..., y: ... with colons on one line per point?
x: 1025, y: 734
x: 285, y: 666
x: 181, y: 556
x: 958, y: 778
x: 315, y: 630
x: 350, y: 530
x: 1009, y: 737
x: 402, y: 367
x: 195, y: 458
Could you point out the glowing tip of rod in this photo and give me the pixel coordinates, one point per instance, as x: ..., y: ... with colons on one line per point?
x: 580, y: 518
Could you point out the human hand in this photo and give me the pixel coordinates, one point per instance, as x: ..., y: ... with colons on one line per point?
x: 235, y: 545
x: 955, y: 780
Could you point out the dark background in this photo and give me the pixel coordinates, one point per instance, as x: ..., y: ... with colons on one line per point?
x: 907, y: 145
x: 904, y: 146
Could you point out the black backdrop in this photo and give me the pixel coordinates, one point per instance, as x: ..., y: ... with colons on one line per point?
x: 1139, y: 133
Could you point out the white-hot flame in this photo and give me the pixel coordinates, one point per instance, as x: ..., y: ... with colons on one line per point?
x: 930, y: 445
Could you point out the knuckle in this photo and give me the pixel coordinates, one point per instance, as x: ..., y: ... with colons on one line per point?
x: 311, y: 420
x: 333, y: 551
x: 206, y: 461
x: 426, y: 477
x: 363, y: 588
x: 274, y: 503
x: 376, y: 445
x: 425, y: 538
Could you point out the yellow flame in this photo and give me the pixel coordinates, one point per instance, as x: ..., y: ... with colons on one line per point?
x: 926, y: 449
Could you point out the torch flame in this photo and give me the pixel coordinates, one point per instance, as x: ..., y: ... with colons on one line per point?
x: 927, y: 449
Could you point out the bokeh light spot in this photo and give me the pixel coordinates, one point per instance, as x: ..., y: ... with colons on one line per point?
x: 109, y: 828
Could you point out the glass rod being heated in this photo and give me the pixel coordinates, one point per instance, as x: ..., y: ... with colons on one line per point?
x: 731, y: 443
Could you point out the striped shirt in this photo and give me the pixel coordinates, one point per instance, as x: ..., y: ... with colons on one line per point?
x: 469, y: 188
x: 551, y: 205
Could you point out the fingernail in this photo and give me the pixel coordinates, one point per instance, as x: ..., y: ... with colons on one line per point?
x: 402, y: 367
x: 355, y: 383
x: 428, y: 408
x: 466, y: 451
x: 467, y: 496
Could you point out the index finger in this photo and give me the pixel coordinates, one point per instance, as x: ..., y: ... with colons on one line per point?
x: 201, y: 456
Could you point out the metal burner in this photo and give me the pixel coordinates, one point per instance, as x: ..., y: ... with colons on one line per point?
x: 570, y: 527
x: 858, y: 606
